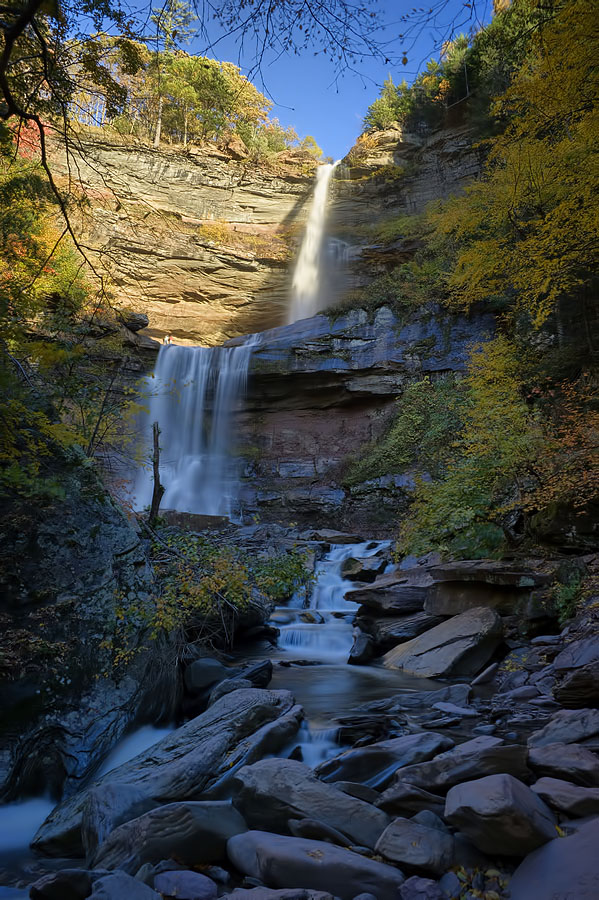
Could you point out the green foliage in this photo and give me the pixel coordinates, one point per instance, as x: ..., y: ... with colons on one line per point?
x: 566, y: 597
x: 494, y: 454
x: 421, y: 432
x: 204, y: 586
x: 467, y: 76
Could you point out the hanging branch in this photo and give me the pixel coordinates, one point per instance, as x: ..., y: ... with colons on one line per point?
x: 158, y: 491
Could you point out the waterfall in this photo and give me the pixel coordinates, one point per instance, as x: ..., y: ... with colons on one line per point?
x: 307, y: 278
x: 195, y: 391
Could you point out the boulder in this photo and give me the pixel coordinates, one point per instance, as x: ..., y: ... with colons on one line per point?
x: 195, y: 832
x: 134, y: 321
x: 197, y: 760
x: 576, y: 655
x: 332, y: 536
x: 389, y: 631
x: 272, y: 791
x: 500, y: 815
x: 227, y: 687
x: 416, y: 847
x: 390, y: 595
x: 484, y: 755
x: 375, y: 764
x: 205, y: 672
x: 119, y: 886
x: 568, y: 726
x: 565, y: 869
x: 260, y: 674
x: 571, y: 799
x: 402, y: 799
x: 289, y: 862
x: 451, y: 693
x: 316, y: 830
x: 185, y: 885
x: 460, y: 646
x: 569, y: 761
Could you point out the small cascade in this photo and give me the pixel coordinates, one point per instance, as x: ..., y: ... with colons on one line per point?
x: 324, y: 631
x: 195, y: 392
x: 306, y: 287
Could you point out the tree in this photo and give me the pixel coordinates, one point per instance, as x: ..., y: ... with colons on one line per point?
x: 173, y: 26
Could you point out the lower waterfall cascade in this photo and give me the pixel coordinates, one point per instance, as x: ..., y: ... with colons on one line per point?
x: 195, y: 391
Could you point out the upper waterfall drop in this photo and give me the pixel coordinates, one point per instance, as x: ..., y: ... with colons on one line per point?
x: 307, y: 277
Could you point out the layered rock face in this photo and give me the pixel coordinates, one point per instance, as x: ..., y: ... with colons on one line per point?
x: 199, y: 241
x: 320, y: 389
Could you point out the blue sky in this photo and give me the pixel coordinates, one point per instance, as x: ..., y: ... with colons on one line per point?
x: 308, y: 96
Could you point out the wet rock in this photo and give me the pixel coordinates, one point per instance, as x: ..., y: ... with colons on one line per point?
x: 295, y: 862
x: 484, y: 755
x: 569, y: 761
x: 362, y: 650
x: 430, y: 820
x: 416, y: 847
x: 451, y: 886
x: 119, y: 885
x: 260, y: 674
x: 196, y: 760
x: 486, y: 675
x: 451, y: 693
x: 464, y: 712
x: 202, y: 673
x: 402, y: 799
x: 571, y: 799
x: 331, y: 536
x: 227, y: 687
x: 467, y: 584
x: 106, y: 807
x: 195, y: 832
x: 459, y: 646
x: 66, y: 884
x: 357, y: 790
x: 375, y: 764
x: 500, y: 815
x: 365, y: 570
x: 565, y: 869
x: 272, y: 791
x: 567, y: 726
x: 416, y: 888
x: 390, y: 595
x: 577, y: 654
x: 185, y: 886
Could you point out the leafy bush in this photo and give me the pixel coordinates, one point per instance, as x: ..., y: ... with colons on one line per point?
x: 427, y: 416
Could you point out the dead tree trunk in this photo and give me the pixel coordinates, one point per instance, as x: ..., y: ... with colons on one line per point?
x: 158, y: 487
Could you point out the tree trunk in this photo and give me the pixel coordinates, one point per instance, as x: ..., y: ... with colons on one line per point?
x: 185, y: 128
x: 158, y: 124
x: 158, y: 487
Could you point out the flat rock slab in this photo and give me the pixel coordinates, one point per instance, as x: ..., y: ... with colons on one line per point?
x: 417, y: 847
x: 194, y: 832
x: 262, y: 893
x: 568, y: 726
x: 571, y: 799
x: 460, y: 646
x: 197, y: 760
x: 388, y: 631
x: 565, y: 869
x: 390, y: 595
x: 484, y: 755
x: 568, y: 761
x: 292, y: 862
x: 66, y: 884
x: 500, y: 815
x: 272, y: 791
x: 375, y: 764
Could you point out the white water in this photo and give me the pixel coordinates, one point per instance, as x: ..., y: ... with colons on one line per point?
x: 19, y: 822
x: 330, y: 639
x: 132, y: 745
x: 307, y: 277
x: 195, y: 392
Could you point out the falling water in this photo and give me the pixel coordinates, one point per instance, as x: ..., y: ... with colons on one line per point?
x: 307, y: 278
x: 195, y: 391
